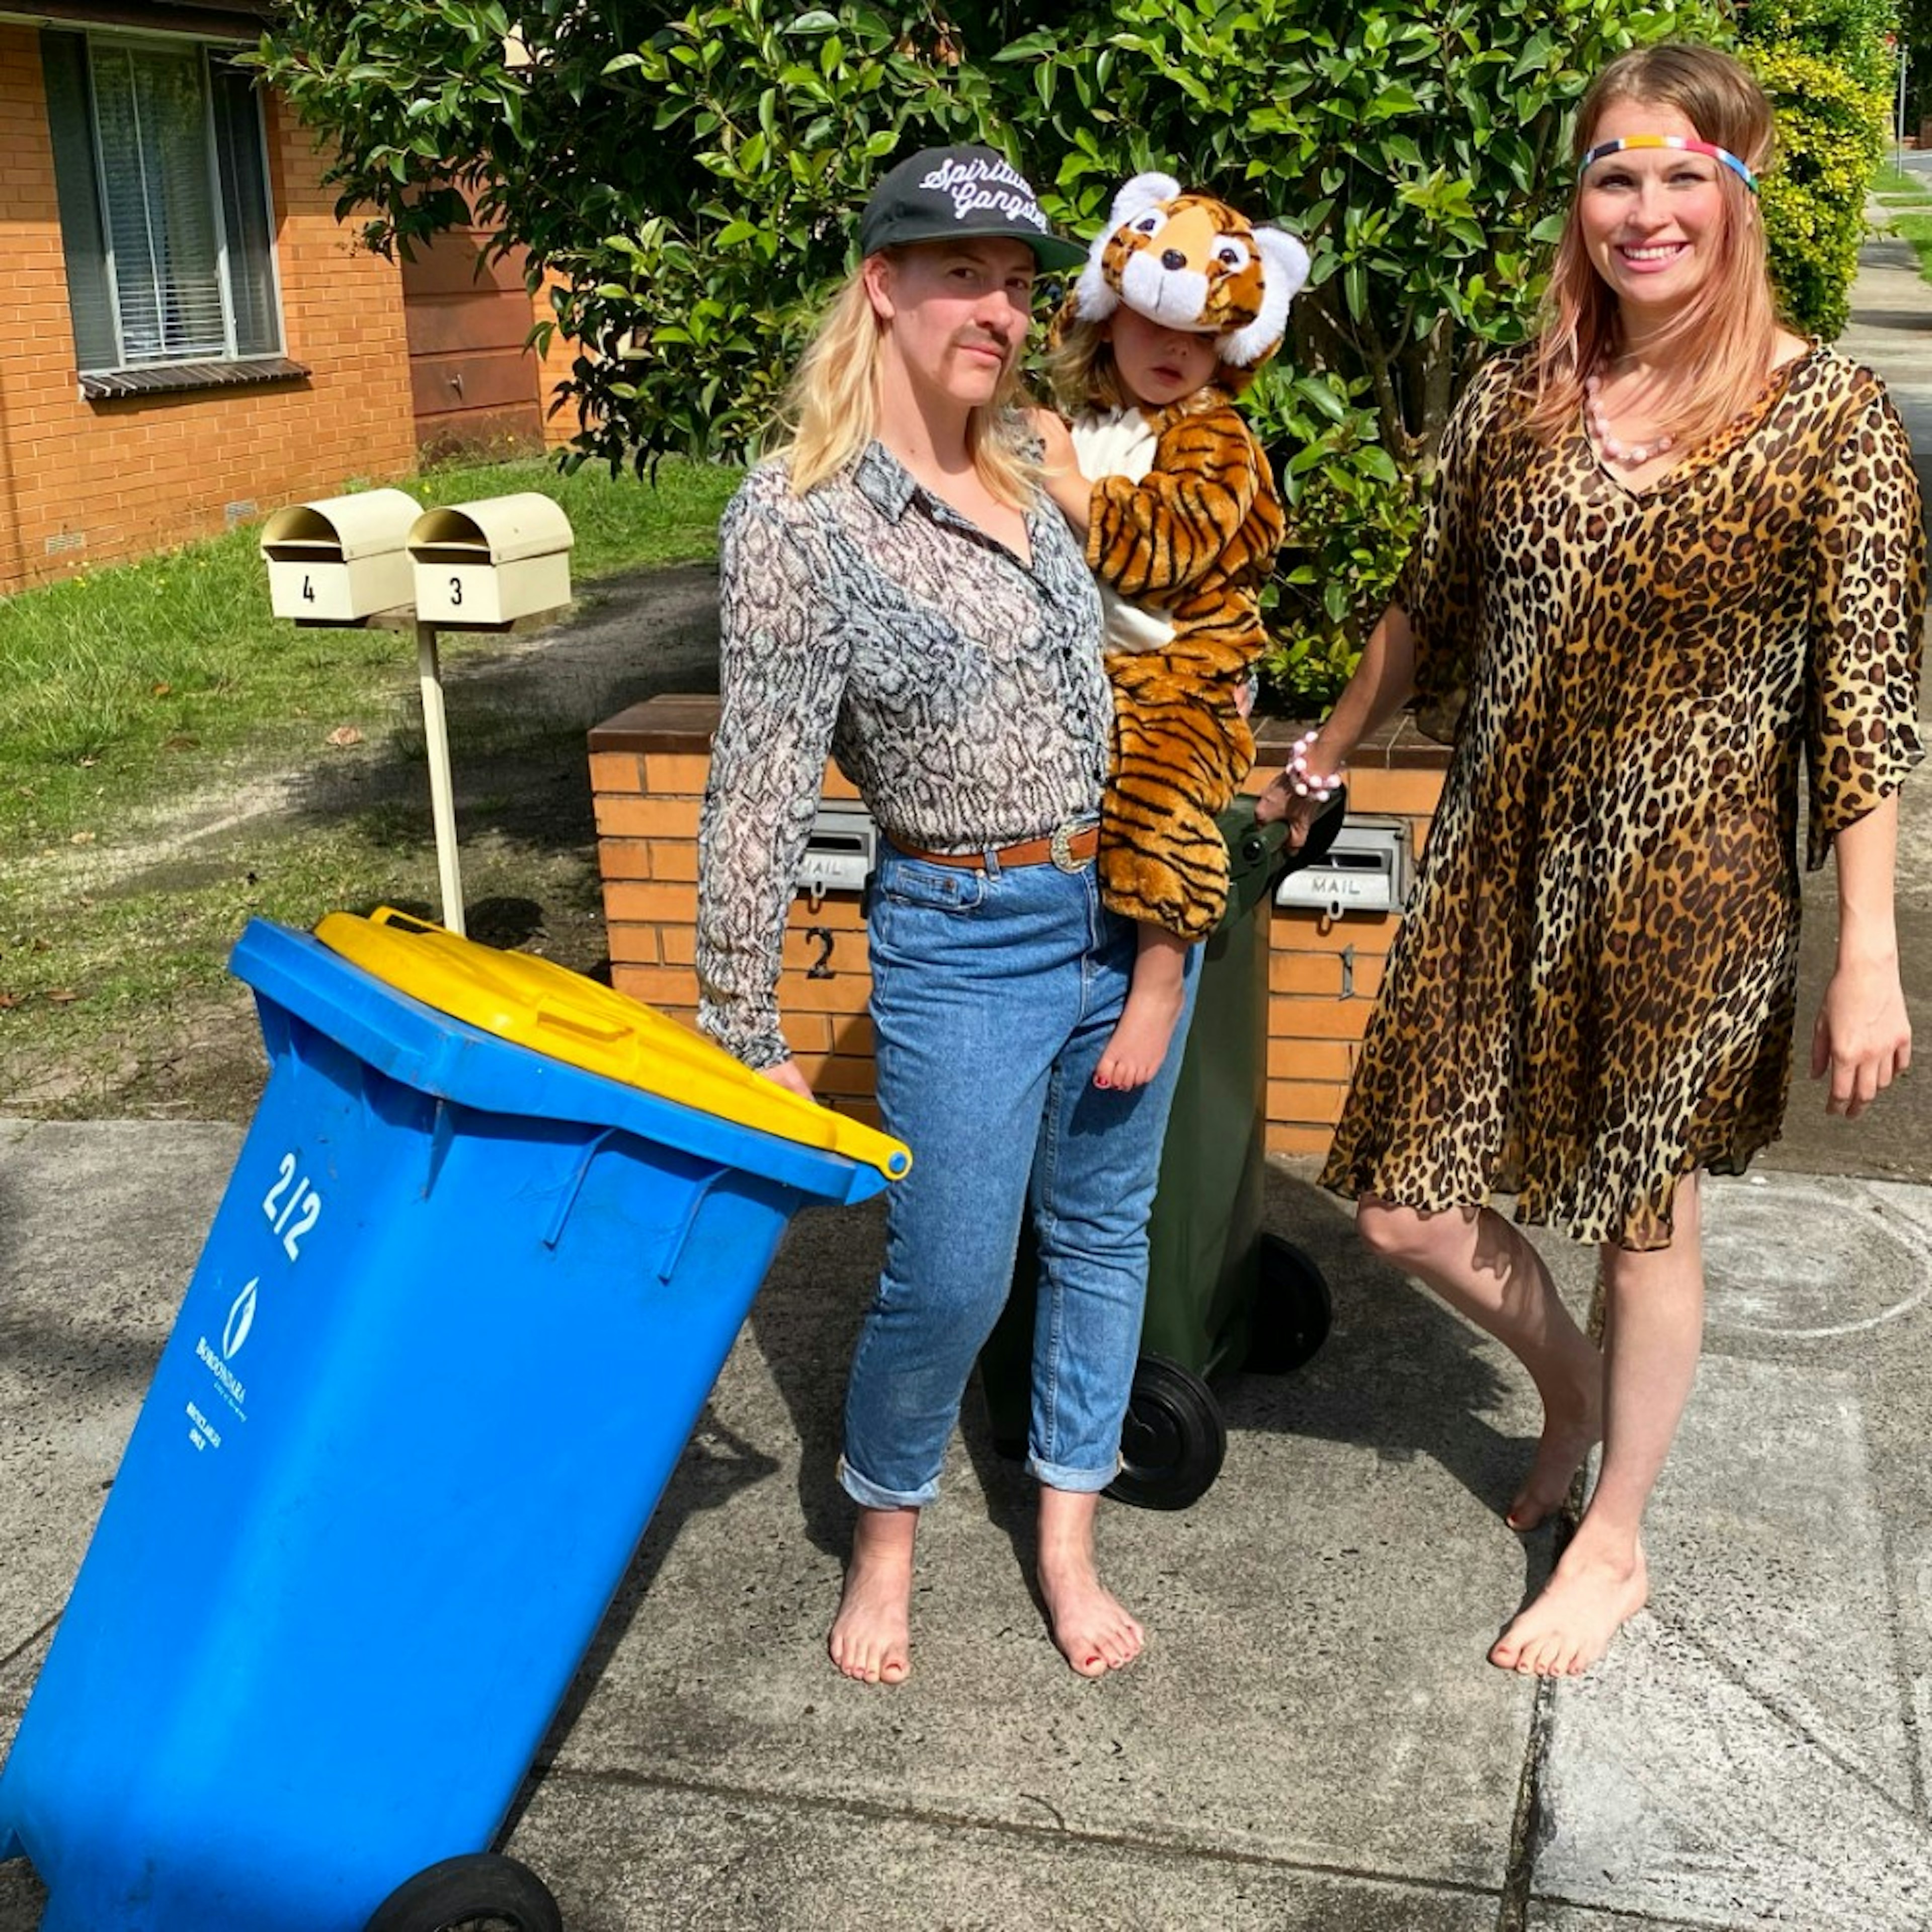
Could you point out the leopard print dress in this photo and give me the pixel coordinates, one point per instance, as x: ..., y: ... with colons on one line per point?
x: 1593, y: 991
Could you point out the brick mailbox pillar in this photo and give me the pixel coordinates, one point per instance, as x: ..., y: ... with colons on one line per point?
x: 648, y: 766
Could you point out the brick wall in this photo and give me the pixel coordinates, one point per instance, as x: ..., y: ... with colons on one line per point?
x: 648, y: 768
x: 554, y: 367
x: 1323, y: 974
x: 83, y: 483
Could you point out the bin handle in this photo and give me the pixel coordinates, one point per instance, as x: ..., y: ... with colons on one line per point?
x: 548, y: 1011
x: 387, y: 915
x: 557, y: 1013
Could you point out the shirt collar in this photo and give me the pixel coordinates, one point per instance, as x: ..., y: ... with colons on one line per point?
x: 890, y: 488
x: 884, y: 481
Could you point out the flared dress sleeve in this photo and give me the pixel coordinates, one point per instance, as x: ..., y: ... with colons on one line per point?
x: 782, y: 665
x: 1441, y: 588
x: 1867, y: 617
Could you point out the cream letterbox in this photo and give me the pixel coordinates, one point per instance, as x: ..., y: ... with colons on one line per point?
x: 342, y: 559
x: 488, y: 562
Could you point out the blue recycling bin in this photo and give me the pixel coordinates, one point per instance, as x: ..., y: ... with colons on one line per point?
x: 454, y: 1323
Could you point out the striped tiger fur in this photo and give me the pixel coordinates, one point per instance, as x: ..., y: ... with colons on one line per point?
x: 1193, y: 540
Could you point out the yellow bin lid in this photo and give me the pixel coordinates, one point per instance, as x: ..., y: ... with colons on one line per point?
x: 537, y: 1004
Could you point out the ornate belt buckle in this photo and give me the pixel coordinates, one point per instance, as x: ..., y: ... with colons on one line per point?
x: 1060, y: 849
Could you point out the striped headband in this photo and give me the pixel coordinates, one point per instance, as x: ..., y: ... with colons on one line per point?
x: 1711, y: 148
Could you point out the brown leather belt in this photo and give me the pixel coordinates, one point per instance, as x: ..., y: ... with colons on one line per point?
x: 1067, y: 849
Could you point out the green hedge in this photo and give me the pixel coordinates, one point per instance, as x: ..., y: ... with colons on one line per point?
x: 1831, y: 136
x: 1830, y: 75
x: 691, y: 172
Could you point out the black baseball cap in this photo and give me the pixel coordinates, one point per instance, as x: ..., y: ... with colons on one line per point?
x: 940, y: 194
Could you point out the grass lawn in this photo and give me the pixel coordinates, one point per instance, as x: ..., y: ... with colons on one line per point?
x: 167, y: 773
x: 1903, y: 183
x: 1906, y: 200
x: 121, y: 683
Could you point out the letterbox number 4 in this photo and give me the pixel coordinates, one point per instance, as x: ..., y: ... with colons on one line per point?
x: 292, y: 1206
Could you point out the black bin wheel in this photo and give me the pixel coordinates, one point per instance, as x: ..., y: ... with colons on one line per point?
x: 1173, y: 1441
x: 1292, y: 1309
x: 483, y: 1891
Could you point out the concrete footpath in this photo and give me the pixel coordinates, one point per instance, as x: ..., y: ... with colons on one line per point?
x: 1313, y: 1739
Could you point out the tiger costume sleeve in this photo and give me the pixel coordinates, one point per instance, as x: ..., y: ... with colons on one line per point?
x: 1191, y: 515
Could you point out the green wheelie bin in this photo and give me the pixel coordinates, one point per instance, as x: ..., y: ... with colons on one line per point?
x: 1223, y: 1293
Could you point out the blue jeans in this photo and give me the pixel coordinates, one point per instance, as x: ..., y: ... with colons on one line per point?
x: 994, y: 995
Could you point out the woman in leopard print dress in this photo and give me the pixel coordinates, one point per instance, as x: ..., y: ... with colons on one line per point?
x: 1674, y: 551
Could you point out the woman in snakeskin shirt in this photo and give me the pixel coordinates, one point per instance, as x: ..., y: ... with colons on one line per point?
x: 898, y: 593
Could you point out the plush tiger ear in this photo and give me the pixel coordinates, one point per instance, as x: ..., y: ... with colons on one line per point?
x: 1142, y: 192
x: 1093, y: 298
x: 1285, y: 264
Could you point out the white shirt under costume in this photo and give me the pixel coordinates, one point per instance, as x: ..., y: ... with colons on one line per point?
x: 1121, y: 442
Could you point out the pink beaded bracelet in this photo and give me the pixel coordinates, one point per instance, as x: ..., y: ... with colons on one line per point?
x: 1306, y: 783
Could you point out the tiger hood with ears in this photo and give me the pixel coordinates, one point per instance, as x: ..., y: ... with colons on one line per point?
x: 1191, y: 261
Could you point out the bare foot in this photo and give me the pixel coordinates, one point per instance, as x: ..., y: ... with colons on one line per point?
x: 871, y: 1636
x: 1141, y: 1037
x: 1572, y: 1427
x: 1569, y: 1626
x: 1093, y: 1633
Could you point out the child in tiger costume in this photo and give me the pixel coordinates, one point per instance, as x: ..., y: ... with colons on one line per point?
x: 1181, y: 301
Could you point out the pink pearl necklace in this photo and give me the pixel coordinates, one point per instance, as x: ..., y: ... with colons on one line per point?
x: 1632, y: 456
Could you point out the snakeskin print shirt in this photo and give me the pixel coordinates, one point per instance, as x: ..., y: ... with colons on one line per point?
x: 960, y: 689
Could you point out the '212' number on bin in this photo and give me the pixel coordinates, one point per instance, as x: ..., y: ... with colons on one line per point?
x: 292, y: 1206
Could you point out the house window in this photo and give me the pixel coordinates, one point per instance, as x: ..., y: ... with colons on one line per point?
x: 162, y: 177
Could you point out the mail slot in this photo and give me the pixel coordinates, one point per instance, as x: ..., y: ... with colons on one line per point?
x: 1367, y: 870
x: 841, y: 851
x: 490, y: 562
x: 342, y: 559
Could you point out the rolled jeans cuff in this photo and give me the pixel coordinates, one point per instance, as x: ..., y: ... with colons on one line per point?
x: 869, y: 1495
x: 1079, y: 1482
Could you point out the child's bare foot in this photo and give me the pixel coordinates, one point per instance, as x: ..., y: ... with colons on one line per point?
x: 1572, y: 1427
x: 1593, y: 1595
x: 1142, y: 1036
x: 872, y: 1638
x: 1091, y: 1630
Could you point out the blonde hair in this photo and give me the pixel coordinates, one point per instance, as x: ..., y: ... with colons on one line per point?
x: 1732, y: 318
x: 831, y: 407
x: 1079, y: 367
x: 1081, y: 373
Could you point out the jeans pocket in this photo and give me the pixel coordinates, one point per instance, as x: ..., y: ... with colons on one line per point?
x: 920, y: 883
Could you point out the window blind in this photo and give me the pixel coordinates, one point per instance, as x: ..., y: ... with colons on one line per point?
x: 151, y: 124
x: 162, y: 189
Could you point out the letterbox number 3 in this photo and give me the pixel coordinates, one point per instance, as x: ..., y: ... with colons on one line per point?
x: 456, y: 590
x: 292, y: 1206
